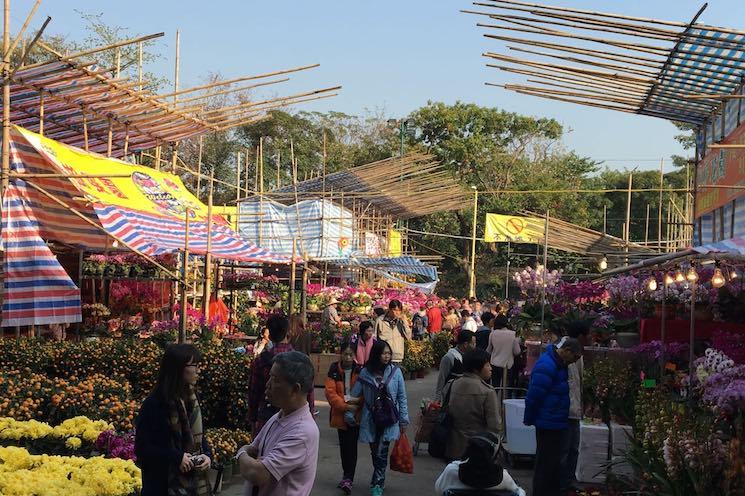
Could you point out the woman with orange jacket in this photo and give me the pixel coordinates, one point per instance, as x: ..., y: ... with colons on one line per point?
x: 345, y: 411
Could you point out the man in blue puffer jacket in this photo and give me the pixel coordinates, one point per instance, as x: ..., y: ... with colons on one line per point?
x: 547, y: 408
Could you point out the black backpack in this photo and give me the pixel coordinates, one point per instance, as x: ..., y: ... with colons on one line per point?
x: 383, y: 410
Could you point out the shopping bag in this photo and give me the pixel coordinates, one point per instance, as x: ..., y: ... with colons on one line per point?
x: 402, y: 457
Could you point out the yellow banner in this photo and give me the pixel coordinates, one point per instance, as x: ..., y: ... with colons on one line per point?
x: 144, y: 189
x: 394, y: 243
x: 514, y: 229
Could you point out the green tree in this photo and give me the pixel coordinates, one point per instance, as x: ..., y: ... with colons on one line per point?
x: 495, y: 151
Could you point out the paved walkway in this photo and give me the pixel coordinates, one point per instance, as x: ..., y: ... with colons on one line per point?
x: 426, y: 469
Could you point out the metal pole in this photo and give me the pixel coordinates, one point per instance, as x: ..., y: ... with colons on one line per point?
x: 208, y: 254
x: 545, y: 270
x: 184, y: 273
x: 659, y: 211
x: 663, y: 318
x: 628, y: 218
x: 691, y: 355
x: 507, y: 276
x: 472, y: 275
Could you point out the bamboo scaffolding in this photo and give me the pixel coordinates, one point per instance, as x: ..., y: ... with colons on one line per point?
x: 613, y: 16
x: 111, y: 46
x: 232, y: 90
x: 273, y: 100
x: 238, y: 80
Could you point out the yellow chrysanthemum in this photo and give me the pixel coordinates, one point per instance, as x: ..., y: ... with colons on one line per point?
x: 73, y: 443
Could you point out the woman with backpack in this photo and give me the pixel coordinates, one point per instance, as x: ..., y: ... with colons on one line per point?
x: 385, y: 411
x: 341, y: 378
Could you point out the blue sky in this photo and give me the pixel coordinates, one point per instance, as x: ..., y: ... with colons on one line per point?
x: 390, y: 56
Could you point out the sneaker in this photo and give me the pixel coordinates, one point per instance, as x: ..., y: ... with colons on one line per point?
x: 376, y: 491
x: 346, y: 486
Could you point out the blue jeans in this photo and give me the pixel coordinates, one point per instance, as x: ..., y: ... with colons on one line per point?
x: 379, y: 452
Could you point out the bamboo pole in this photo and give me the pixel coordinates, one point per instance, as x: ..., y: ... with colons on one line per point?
x: 238, y: 80
x: 231, y: 90
x: 208, y: 254
x: 184, y: 286
x: 293, y: 269
x: 157, y: 156
x: 199, y: 168
x: 646, y: 227
x: 278, y: 185
x: 118, y: 58
x: 237, y: 123
x: 41, y: 113
x: 126, y: 142
x: 246, y: 183
x: 85, y: 130
x: 174, y: 157
x: 721, y: 146
x: 139, y: 64
x: 111, y: 46
x: 8, y: 50
x: 238, y: 176
x: 6, y: 98
x: 260, y: 168
x: 177, y: 63
x: 109, y: 139
x: 272, y: 100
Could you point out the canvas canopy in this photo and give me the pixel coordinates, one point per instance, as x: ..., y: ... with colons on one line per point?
x: 143, y: 207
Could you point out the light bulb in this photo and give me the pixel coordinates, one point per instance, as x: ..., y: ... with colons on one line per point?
x: 604, y: 264
x: 692, y: 275
x: 717, y: 280
x: 652, y: 284
x: 679, y: 277
x: 669, y: 279
x: 733, y: 275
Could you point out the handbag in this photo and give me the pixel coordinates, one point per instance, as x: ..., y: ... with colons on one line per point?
x: 439, y: 437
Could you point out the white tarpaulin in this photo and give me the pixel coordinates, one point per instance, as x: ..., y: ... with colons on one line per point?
x: 322, y: 229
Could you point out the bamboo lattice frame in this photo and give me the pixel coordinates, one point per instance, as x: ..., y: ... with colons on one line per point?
x: 74, y: 100
x: 403, y: 187
x: 672, y: 70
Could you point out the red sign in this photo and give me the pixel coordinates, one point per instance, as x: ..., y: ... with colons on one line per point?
x: 721, y: 167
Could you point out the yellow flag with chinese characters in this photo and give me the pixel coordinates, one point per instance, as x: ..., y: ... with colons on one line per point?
x: 514, y: 229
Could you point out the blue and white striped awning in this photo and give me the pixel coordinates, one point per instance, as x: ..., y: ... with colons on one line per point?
x: 395, y: 267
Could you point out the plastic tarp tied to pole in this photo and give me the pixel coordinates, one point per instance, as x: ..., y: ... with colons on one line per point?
x: 321, y: 229
x: 143, y: 207
x: 406, y: 270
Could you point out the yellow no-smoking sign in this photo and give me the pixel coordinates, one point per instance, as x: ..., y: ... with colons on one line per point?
x: 504, y: 228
